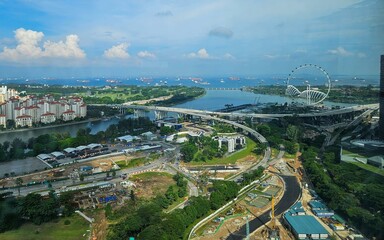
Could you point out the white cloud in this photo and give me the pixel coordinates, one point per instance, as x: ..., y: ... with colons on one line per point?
x: 146, y: 54
x: 118, y: 51
x: 69, y: 48
x: 28, y: 47
x: 340, y: 51
x: 228, y: 56
x: 202, y: 53
x: 277, y: 56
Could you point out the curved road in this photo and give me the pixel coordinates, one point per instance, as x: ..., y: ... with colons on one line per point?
x: 256, y: 115
x: 291, y: 195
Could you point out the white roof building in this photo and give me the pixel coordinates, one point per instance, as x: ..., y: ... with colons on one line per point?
x: 44, y: 157
x: 94, y: 145
x: 70, y: 150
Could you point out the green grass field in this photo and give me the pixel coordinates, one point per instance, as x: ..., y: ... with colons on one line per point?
x: 352, y: 154
x: 274, y: 152
x: 149, y: 175
x: 50, y: 231
x: 287, y: 155
x: 231, y: 159
x: 369, y: 168
x: 132, y: 163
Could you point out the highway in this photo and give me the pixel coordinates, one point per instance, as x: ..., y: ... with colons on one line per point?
x: 254, y: 115
x: 291, y: 195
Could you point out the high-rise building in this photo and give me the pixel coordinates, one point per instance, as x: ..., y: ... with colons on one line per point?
x: 381, y: 100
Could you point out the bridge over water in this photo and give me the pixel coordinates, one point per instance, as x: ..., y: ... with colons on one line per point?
x: 204, y: 113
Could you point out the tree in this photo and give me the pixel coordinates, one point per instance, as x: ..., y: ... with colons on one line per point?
x: 19, y: 183
x: 81, y: 177
x: 132, y: 196
x: 264, y: 129
x: 260, y: 148
x: 290, y: 147
x: 189, y: 150
x: 166, y: 130
x: 292, y: 132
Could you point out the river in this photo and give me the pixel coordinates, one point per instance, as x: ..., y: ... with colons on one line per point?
x: 212, y: 100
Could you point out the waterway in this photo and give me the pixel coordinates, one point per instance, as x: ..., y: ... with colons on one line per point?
x: 212, y: 100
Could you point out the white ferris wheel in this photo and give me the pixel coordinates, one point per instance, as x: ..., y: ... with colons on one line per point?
x: 311, y: 76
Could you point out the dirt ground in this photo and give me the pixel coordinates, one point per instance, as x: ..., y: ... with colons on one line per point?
x: 99, y: 227
x: 248, y: 160
x: 148, y: 186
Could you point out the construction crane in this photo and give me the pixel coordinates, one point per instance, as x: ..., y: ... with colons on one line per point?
x: 273, y: 213
x: 274, y: 231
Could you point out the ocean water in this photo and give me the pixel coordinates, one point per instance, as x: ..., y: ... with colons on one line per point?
x: 205, y: 82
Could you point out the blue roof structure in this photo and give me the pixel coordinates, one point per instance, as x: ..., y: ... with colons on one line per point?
x: 296, y: 209
x: 305, y: 224
x: 317, y: 205
x: 322, y: 212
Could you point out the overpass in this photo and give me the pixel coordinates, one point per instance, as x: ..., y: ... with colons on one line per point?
x: 204, y: 113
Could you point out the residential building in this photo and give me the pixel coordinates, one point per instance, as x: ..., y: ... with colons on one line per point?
x: 69, y: 115
x: 45, y: 109
x: 3, y: 121
x: 232, y: 142
x: 23, y: 121
x: 48, y: 118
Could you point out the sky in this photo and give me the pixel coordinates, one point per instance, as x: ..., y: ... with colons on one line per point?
x: 89, y: 38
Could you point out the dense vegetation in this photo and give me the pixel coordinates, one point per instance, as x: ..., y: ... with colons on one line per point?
x: 173, y: 193
x: 115, y: 94
x: 248, y: 177
x: 224, y: 128
x: 182, y: 95
x: 147, y: 221
x: 345, y: 94
x: 202, y: 149
x: 353, y: 192
x: 283, y: 133
x: 48, y: 143
x: 33, y: 208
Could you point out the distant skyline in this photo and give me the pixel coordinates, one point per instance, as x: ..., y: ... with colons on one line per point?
x: 47, y: 38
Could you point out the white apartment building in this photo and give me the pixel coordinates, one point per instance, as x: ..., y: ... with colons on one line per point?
x: 48, y: 118
x: 232, y: 142
x: 23, y: 121
x: 16, y: 108
x: 3, y: 120
x: 69, y: 115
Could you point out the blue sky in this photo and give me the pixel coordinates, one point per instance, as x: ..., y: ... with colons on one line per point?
x: 40, y: 38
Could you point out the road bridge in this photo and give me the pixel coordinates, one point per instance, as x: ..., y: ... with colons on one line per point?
x: 196, y: 112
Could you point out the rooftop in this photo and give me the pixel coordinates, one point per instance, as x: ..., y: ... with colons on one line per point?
x: 317, y: 205
x: 305, y: 224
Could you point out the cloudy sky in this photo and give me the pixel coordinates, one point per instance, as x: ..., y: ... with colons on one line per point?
x: 199, y: 37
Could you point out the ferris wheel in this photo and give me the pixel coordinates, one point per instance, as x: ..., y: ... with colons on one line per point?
x: 307, y: 75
